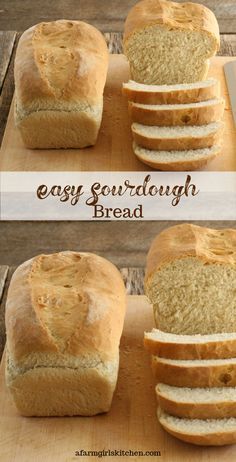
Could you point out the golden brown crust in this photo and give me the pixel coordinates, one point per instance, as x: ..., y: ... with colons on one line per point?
x: 198, y: 115
x: 60, y: 63
x: 188, y: 165
x: 193, y: 95
x: 185, y: 16
x: 177, y: 144
x: 68, y: 303
x: 179, y: 375
x: 196, y: 410
x: 187, y: 240
x: 221, y: 349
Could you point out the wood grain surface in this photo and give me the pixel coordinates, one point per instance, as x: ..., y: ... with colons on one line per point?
x: 107, y: 15
x: 131, y: 424
x: 113, y: 149
x: 7, y: 40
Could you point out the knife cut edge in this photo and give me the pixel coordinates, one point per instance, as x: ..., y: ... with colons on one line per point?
x: 230, y: 76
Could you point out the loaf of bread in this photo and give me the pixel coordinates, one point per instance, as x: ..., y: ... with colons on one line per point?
x: 64, y: 319
x: 177, y: 138
x: 170, y: 43
x: 171, y: 94
x: 197, y: 403
x: 173, y: 346
x: 191, y: 280
x: 60, y: 73
x: 195, y: 373
x: 187, y: 160
x: 211, y: 432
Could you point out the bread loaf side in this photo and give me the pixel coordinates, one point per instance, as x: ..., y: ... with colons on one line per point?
x: 60, y: 73
x: 64, y: 319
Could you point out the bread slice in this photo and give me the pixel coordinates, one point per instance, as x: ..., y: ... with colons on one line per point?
x: 211, y: 432
x: 168, y: 42
x: 174, y: 346
x: 196, y: 373
x: 165, y: 115
x: 191, y: 279
x: 176, y: 160
x: 177, y: 138
x: 197, y: 403
x: 171, y: 94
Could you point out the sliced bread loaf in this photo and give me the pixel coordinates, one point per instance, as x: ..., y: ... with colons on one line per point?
x: 197, y: 403
x: 177, y: 114
x: 196, y: 373
x: 171, y: 94
x: 191, y: 279
x: 176, y: 160
x: 210, y: 432
x: 168, y: 42
x: 177, y: 138
x: 174, y: 346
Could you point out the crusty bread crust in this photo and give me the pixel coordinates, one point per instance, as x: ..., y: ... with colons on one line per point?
x: 221, y: 349
x: 177, y: 144
x: 205, y: 375
x: 198, y: 115
x: 194, y: 410
x: 193, y: 95
x: 60, y: 66
x: 188, y: 240
x: 209, y: 439
x: 96, y: 320
x: 60, y: 62
x: 187, y: 165
x: 64, y: 319
x: 173, y: 15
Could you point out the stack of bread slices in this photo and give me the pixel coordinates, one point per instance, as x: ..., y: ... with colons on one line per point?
x: 176, y: 127
x: 196, y: 385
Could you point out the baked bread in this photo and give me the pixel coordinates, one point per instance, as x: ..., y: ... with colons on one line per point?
x: 172, y: 346
x: 177, y: 138
x: 169, y: 43
x: 196, y: 373
x: 60, y: 73
x: 191, y: 280
x: 64, y: 318
x: 197, y: 403
x: 192, y: 159
x: 180, y: 115
x: 171, y: 94
x: 211, y: 432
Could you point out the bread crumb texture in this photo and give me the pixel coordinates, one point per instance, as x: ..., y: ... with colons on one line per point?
x: 191, y: 280
x: 168, y: 42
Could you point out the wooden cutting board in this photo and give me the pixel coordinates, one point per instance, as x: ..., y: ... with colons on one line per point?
x: 130, y: 424
x: 113, y: 151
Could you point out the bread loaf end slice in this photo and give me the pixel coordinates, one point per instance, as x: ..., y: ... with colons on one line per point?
x: 210, y: 432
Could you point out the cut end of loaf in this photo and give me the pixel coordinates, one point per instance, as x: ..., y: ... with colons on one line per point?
x: 190, y: 296
x: 151, y: 50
